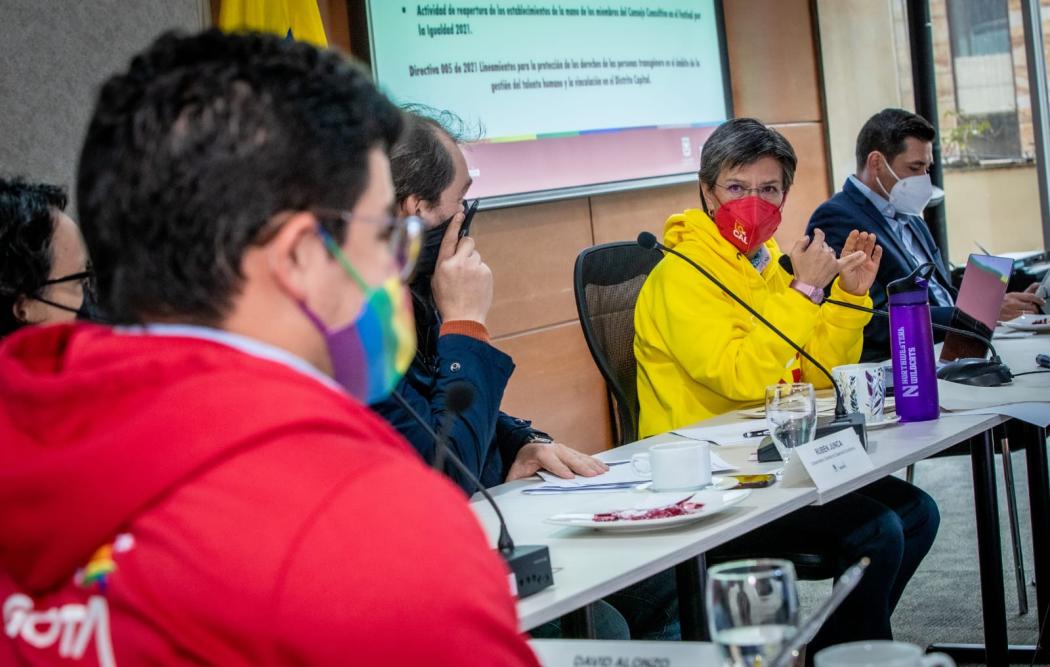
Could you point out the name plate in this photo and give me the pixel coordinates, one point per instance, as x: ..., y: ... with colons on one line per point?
x: 829, y: 461
x: 597, y: 653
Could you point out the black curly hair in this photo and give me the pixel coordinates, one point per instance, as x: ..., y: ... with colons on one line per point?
x: 27, y: 225
x: 192, y: 150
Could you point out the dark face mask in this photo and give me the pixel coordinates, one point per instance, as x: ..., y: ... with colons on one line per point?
x: 431, y: 247
x: 428, y: 257
x: 88, y: 310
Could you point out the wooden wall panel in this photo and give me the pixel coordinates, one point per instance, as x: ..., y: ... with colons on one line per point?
x: 531, y: 251
x: 810, y: 189
x: 772, y: 60
x: 557, y: 385
x: 619, y: 217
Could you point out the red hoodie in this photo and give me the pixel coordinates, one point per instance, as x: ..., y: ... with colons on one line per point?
x: 170, y: 500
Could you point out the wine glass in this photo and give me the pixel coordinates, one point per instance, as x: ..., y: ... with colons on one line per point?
x: 752, y: 609
x: 791, y: 415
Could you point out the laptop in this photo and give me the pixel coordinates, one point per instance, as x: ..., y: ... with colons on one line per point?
x: 980, y: 297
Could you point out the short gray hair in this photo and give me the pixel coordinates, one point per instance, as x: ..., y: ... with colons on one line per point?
x: 743, y: 141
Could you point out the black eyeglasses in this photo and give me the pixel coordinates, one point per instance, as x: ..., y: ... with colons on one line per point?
x: 403, y: 236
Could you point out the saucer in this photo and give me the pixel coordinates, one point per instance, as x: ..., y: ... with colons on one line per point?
x: 887, y: 420
x: 707, y: 503
x: 1036, y: 323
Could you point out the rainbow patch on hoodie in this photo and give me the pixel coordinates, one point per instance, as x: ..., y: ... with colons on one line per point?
x: 101, y: 564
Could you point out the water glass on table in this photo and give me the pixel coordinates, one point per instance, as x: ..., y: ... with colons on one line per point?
x: 791, y: 415
x: 752, y: 609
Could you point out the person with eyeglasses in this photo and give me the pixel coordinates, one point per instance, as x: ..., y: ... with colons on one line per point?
x: 452, y: 290
x: 700, y: 354
x: 204, y: 482
x: 44, y: 274
x: 746, y: 172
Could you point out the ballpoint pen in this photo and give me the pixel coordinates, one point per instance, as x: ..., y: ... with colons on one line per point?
x: 756, y: 434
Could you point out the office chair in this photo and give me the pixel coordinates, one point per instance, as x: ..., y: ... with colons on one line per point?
x: 606, y: 281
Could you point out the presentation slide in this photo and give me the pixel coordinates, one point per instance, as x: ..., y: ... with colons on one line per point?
x: 566, y: 94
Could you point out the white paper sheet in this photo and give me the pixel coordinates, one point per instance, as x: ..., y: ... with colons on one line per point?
x: 726, y: 434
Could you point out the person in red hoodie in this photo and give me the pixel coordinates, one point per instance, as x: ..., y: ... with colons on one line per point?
x: 202, y: 483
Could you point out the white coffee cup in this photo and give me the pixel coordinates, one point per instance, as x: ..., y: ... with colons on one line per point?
x: 879, y: 654
x: 863, y: 388
x: 675, y: 466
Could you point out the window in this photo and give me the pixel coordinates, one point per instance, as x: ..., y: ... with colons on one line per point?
x: 985, y: 123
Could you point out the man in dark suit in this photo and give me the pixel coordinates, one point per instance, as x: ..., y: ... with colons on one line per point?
x: 886, y: 197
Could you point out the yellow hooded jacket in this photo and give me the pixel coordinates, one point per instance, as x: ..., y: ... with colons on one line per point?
x: 700, y: 354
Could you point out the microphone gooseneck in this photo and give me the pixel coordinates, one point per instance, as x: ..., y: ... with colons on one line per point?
x: 941, y: 327
x: 648, y: 241
x: 463, y: 400
x: 785, y: 262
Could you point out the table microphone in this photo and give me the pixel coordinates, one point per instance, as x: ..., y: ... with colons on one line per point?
x: 841, y: 421
x: 530, y: 565
x: 976, y: 372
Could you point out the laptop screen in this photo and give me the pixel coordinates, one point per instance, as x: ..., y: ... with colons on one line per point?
x: 980, y: 297
x: 984, y: 286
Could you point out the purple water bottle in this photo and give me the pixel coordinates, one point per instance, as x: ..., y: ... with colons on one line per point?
x: 911, y: 346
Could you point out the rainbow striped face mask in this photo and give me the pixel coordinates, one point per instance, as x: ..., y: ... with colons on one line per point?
x: 370, y: 354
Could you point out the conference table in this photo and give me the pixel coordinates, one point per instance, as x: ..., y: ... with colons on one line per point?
x: 589, y: 565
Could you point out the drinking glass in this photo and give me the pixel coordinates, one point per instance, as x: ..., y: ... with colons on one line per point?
x: 752, y: 609
x: 791, y: 415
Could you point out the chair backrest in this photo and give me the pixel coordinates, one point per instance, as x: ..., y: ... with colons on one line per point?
x: 607, y: 280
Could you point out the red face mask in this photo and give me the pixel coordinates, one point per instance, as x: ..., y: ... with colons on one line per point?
x: 747, y: 222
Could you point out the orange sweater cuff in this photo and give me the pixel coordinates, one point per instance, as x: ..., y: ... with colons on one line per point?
x: 466, y: 328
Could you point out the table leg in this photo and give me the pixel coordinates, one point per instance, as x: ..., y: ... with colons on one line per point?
x: 578, y: 624
x: 1039, y: 501
x: 691, y: 581
x: 990, y: 559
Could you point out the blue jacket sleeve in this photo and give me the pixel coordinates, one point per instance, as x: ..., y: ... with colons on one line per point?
x: 512, y: 433
x: 471, y: 435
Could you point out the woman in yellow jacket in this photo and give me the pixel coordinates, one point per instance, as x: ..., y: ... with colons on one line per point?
x: 700, y: 354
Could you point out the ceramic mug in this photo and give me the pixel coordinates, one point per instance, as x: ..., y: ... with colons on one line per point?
x: 675, y: 466
x: 863, y: 388
x: 881, y: 654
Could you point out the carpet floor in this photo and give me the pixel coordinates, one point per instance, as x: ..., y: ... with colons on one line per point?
x: 943, y: 601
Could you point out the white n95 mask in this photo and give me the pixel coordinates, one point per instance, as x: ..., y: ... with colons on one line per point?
x: 909, y: 195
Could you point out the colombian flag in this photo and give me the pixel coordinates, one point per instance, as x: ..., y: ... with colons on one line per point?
x: 294, y: 19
